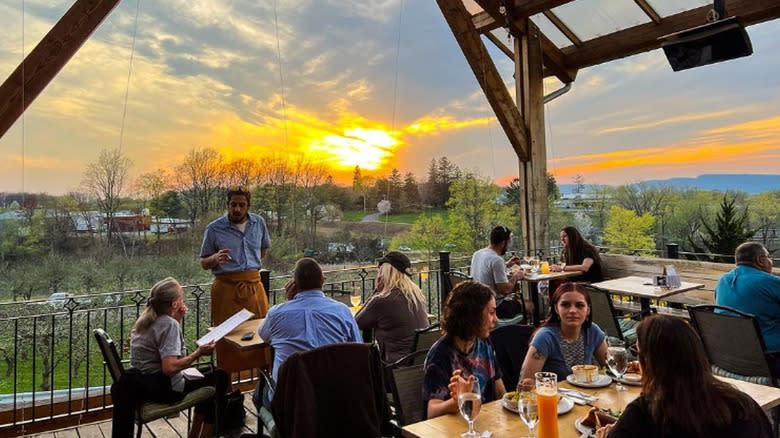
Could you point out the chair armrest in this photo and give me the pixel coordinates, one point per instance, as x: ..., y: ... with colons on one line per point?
x: 269, y: 380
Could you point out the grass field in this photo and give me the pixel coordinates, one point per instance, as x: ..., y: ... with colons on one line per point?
x: 395, y: 218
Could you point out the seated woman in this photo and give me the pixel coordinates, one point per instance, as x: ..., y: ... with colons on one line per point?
x: 680, y: 396
x: 396, y: 309
x: 579, y: 255
x: 567, y: 337
x: 157, y: 351
x: 465, y: 350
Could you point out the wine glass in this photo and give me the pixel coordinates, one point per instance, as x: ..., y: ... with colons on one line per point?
x: 469, y: 403
x: 563, y: 266
x: 526, y: 407
x: 534, y: 265
x: 617, y: 361
x: 354, y: 296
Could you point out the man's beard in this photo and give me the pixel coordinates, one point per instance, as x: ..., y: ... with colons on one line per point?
x: 237, y: 220
x: 503, y: 249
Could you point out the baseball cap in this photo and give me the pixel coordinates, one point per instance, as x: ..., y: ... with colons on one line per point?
x: 398, y: 261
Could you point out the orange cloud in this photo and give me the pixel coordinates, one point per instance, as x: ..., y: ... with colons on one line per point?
x: 436, y: 124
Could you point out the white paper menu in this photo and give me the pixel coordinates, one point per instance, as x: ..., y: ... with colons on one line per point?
x: 226, y: 327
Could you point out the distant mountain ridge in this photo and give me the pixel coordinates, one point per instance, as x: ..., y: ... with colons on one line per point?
x: 749, y: 183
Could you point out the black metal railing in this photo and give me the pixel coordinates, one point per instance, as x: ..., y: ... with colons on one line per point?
x: 50, y: 366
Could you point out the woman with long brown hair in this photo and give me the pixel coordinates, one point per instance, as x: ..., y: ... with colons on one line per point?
x: 567, y: 337
x: 680, y: 396
x: 579, y: 255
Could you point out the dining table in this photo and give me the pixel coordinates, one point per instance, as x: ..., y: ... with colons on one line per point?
x: 644, y: 289
x: 502, y: 423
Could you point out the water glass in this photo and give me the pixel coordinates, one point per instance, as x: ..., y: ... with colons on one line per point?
x: 527, y: 407
x: 469, y: 403
x: 617, y: 361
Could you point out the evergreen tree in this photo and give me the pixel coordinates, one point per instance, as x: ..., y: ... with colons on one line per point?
x: 411, y: 192
x: 728, y: 232
x: 396, y: 187
x: 429, y: 194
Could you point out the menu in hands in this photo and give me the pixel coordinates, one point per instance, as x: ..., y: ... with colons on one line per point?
x: 226, y: 327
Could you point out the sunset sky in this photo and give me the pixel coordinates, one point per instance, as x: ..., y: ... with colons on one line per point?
x: 207, y: 73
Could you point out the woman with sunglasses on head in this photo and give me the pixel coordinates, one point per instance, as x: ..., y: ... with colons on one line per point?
x: 680, y: 396
x: 567, y: 337
x: 464, y: 352
x: 396, y: 309
x: 158, y: 357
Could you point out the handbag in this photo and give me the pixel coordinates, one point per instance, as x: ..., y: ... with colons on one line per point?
x: 233, y: 413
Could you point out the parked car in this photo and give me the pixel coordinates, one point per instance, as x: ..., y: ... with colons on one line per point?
x: 59, y: 298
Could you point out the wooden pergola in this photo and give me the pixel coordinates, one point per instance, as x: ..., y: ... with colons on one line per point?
x: 534, y: 55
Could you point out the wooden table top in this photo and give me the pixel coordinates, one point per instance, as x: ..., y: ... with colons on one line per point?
x: 505, y: 424
x: 643, y: 287
x: 550, y: 276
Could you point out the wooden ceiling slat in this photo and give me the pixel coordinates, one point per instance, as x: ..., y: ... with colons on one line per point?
x: 468, y: 38
x: 649, y: 11
x: 501, y: 46
x: 557, y: 22
x: 48, y: 57
x: 644, y: 37
x: 520, y: 9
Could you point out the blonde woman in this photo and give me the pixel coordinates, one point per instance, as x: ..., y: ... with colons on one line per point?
x: 396, y: 309
x: 158, y: 356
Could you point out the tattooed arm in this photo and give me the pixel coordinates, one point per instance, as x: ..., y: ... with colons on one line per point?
x: 533, y: 363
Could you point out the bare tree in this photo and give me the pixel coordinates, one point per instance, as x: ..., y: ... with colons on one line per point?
x: 199, y: 178
x: 242, y: 171
x: 105, y: 180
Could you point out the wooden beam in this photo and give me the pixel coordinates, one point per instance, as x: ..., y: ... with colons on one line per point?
x: 557, y: 22
x: 649, y: 11
x: 553, y: 56
x: 644, y: 37
x: 501, y: 46
x: 459, y: 20
x: 48, y: 57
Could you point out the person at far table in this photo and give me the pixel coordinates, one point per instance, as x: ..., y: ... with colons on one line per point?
x: 396, y: 309
x: 488, y: 267
x: 306, y: 320
x: 751, y: 288
x: 567, y: 337
x: 680, y: 397
x: 464, y: 351
x: 579, y: 255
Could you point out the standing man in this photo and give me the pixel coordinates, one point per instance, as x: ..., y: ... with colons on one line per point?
x: 488, y: 267
x: 752, y: 288
x: 232, y: 248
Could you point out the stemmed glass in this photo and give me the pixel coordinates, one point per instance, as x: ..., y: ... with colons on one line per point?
x: 526, y: 407
x: 469, y: 403
x: 563, y: 266
x: 617, y: 360
x: 354, y: 296
x: 534, y: 265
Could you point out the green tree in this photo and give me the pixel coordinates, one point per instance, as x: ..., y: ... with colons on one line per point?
x: 429, y: 233
x: 765, y: 214
x: 411, y: 192
x: 474, y: 210
x: 626, y: 232
x: 728, y: 232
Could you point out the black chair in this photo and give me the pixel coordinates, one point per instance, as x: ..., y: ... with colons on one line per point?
x: 603, y: 314
x: 335, y: 390
x: 406, y: 384
x: 148, y: 412
x: 733, y: 342
x: 455, y: 277
x: 510, y: 343
x: 424, y: 339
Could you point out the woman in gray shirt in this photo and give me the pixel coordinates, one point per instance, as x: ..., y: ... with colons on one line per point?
x: 396, y: 309
x: 157, y: 351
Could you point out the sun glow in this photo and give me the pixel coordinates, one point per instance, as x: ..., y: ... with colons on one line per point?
x: 367, y: 148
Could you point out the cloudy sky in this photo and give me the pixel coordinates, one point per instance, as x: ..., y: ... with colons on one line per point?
x: 357, y: 91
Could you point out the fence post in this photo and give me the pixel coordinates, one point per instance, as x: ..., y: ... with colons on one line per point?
x: 444, y: 280
x: 265, y: 279
x: 672, y: 251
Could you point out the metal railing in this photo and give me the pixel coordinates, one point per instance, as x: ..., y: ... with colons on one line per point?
x: 51, y: 367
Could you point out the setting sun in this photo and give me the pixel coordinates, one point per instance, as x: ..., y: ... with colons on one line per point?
x: 367, y: 148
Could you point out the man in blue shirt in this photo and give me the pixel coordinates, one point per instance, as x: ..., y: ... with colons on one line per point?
x: 308, y: 319
x: 752, y: 288
x: 232, y: 248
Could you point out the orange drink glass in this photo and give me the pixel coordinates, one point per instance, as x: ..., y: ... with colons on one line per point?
x: 544, y: 268
x: 547, y: 404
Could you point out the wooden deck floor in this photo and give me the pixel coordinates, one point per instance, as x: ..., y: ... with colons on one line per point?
x: 162, y: 428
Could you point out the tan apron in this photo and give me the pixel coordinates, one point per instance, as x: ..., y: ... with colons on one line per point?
x: 230, y: 293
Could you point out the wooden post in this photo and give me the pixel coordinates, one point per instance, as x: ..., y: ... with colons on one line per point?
x: 48, y: 57
x: 533, y: 173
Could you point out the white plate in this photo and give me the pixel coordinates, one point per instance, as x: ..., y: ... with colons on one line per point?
x: 602, y: 381
x: 564, y: 405
x: 629, y: 382
x: 583, y: 429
